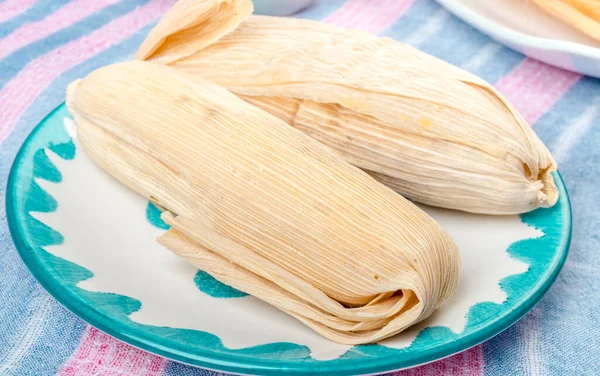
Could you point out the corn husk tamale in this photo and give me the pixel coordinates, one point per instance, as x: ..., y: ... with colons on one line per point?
x: 429, y: 130
x: 263, y: 207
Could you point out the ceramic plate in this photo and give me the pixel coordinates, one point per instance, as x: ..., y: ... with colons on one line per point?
x: 91, y: 243
x: 524, y: 27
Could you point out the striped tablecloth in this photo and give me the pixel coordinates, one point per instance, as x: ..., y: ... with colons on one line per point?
x: 45, y: 44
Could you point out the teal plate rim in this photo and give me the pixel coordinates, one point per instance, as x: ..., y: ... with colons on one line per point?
x: 244, y: 363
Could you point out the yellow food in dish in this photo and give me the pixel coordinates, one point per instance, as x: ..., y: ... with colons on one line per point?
x: 583, y: 15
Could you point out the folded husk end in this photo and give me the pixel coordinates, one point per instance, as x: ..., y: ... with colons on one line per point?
x: 549, y: 192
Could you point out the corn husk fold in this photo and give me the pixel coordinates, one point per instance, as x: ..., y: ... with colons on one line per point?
x: 427, y: 129
x: 263, y: 207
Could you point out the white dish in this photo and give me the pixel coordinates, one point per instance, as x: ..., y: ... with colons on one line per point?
x: 524, y: 27
x: 91, y: 243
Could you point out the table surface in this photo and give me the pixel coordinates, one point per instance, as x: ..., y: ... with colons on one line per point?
x: 45, y: 44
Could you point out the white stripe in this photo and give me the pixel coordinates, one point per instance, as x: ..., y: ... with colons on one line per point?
x: 482, y: 57
x: 575, y: 131
x: 433, y: 24
x: 531, y: 335
x: 30, y: 333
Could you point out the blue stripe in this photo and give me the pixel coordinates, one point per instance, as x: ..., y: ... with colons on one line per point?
x: 36, y: 12
x: 12, y: 64
x: 501, y: 64
x: 320, y: 9
x: 414, y: 18
x: 59, y: 334
x: 62, y: 330
x: 178, y: 369
x: 500, y: 353
x: 455, y: 42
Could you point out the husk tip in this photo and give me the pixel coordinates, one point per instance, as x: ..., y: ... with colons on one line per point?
x: 548, y: 195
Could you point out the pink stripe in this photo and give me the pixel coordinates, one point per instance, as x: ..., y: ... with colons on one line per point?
x: 23, y: 89
x: 358, y: 18
x: 339, y: 17
x: 467, y: 363
x: 534, y: 87
x: 374, y: 16
x: 12, y: 8
x: 100, y: 354
x: 64, y: 17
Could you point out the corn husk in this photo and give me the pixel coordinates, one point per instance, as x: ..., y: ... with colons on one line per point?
x: 583, y: 15
x: 263, y: 207
x: 427, y: 129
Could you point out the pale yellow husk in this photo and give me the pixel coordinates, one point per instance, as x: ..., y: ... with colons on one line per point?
x: 583, y: 15
x: 263, y: 207
x: 429, y: 130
